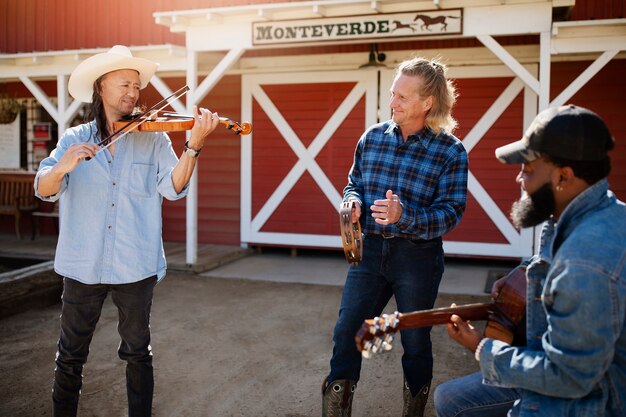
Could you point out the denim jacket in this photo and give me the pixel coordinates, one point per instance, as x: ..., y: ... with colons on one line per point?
x: 574, y: 363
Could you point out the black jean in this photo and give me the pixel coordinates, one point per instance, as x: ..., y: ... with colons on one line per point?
x: 82, y: 305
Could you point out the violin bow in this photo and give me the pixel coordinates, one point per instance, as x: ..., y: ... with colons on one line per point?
x: 176, y: 95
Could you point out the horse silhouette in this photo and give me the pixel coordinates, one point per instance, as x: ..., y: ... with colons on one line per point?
x: 400, y: 25
x: 428, y: 20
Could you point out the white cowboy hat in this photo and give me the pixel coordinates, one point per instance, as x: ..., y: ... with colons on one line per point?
x: 119, y: 57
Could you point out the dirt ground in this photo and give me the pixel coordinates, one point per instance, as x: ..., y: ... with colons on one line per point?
x: 221, y: 348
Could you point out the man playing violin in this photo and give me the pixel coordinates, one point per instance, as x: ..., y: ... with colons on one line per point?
x: 574, y: 363
x: 409, y: 185
x: 110, y: 231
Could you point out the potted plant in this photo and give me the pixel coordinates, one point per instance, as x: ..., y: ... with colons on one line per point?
x: 9, y: 109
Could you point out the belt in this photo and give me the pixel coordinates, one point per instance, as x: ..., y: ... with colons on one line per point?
x: 384, y: 235
x: 387, y: 235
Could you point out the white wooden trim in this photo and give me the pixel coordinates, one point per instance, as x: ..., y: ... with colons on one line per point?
x: 530, y: 110
x: 306, y: 156
x: 484, y: 249
x: 71, y: 111
x: 490, y: 207
x: 386, y: 79
x: 311, y: 77
x: 504, y: 18
x: 41, y: 97
x: 518, y: 242
x: 216, y: 74
x: 544, y: 70
x: 62, y: 97
x: 530, y: 102
x: 60, y: 112
x: 247, y: 83
x: 296, y: 239
x: 492, y: 114
x: 250, y: 228
x: 49, y: 64
x: 583, y: 78
x: 66, y: 113
x: 191, y: 205
x: 198, y: 92
x: 165, y: 91
x: 509, y: 61
x: 480, y: 71
x: 585, y: 36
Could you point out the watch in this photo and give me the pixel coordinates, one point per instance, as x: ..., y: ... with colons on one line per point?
x: 191, y: 151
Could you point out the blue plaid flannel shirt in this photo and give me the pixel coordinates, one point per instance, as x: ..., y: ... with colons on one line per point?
x: 428, y: 172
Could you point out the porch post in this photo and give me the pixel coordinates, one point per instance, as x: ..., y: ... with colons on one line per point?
x: 192, y: 195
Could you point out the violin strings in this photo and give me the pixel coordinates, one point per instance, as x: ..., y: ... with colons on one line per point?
x: 189, y: 116
x: 185, y: 88
x: 137, y: 124
x: 238, y: 128
x: 179, y: 115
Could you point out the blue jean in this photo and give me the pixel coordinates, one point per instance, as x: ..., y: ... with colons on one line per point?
x: 82, y: 305
x: 410, y: 270
x: 469, y: 397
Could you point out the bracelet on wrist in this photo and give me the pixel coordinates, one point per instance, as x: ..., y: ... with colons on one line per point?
x: 194, y: 153
x: 479, y: 348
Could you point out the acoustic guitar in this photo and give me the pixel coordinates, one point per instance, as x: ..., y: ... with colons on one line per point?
x: 506, y: 318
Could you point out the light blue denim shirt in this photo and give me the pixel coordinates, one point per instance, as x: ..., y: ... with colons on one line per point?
x: 110, y: 212
x: 575, y: 361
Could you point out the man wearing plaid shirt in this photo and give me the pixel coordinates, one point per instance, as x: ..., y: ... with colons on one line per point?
x: 409, y: 183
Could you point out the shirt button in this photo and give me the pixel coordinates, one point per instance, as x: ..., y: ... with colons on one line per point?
x: 109, y: 226
x: 113, y: 183
x: 113, y: 205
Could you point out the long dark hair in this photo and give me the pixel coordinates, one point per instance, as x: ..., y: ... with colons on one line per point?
x: 95, y: 110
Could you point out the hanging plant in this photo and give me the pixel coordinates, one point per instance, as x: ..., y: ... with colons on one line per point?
x: 9, y: 109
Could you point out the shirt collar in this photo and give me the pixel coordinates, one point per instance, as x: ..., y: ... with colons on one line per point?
x: 589, y: 200
x: 424, y: 136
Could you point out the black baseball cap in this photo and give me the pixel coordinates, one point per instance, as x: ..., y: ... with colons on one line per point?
x: 568, y: 132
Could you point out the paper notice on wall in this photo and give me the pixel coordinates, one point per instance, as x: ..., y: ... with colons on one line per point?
x: 10, y: 144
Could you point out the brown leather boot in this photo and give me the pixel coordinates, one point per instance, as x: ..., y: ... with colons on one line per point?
x: 414, y: 406
x: 337, y: 398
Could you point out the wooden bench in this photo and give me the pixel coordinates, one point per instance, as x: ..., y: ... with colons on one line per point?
x: 17, y: 197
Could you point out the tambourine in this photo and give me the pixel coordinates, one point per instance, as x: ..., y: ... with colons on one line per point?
x: 351, y: 236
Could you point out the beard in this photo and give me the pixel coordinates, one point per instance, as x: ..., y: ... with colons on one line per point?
x: 533, y: 209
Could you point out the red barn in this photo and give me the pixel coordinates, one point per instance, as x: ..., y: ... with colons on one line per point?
x: 311, y: 76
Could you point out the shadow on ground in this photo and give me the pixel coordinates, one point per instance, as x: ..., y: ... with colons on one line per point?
x: 222, y: 347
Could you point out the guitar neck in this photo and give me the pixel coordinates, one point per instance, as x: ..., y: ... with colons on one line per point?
x: 478, y: 311
x: 374, y: 331
x: 505, y: 317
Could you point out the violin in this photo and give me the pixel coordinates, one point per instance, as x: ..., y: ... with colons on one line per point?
x: 175, y: 122
x: 148, y: 122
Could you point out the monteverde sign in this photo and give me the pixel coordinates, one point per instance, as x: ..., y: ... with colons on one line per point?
x: 440, y: 22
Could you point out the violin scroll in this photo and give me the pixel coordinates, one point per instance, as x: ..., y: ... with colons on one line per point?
x: 243, y: 128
